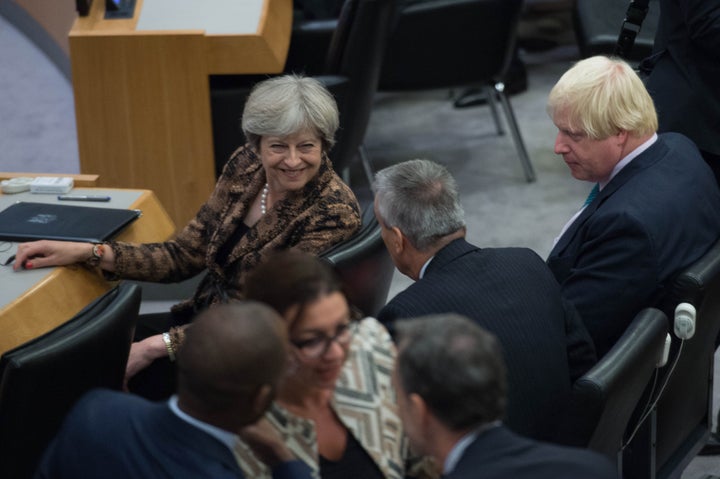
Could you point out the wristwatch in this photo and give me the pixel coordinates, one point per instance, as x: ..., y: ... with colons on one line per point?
x: 98, y: 251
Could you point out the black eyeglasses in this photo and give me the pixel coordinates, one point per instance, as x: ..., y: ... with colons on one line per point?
x: 317, y: 347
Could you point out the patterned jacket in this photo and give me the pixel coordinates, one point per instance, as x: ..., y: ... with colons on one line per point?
x: 365, y: 403
x: 325, y: 212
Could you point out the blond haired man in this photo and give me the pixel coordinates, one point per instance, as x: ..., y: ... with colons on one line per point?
x: 657, y: 206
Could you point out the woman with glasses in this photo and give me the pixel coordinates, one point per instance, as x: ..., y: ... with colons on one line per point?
x: 336, y: 406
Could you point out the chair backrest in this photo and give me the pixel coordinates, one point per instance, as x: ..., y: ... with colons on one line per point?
x: 684, y: 411
x: 607, y: 394
x: 309, y: 44
x: 354, y: 59
x: 41, y: 380
x: 447, y: 43
x: 364, y: 266
x: 352, y: 48
x: 597, y: 26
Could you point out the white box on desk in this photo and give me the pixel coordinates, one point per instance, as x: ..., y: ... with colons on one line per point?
x: 55, y: 185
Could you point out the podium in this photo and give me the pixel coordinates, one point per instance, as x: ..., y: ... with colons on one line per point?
x: 141, y: 86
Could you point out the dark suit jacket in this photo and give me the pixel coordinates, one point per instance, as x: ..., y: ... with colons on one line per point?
x: 511, y: 293
x: 658, y: 215
x: 685, y: 70
x: 112, y: 435
x: 498, y: 453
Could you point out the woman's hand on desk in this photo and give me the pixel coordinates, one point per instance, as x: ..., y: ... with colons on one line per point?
x: 143, y: 353
x: 45, y: 253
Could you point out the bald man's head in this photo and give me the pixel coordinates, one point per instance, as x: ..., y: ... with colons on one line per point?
x: 230, y: 352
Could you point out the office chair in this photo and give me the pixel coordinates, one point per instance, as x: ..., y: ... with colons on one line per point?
x: 681, y: 424
x: 604, y: 398
x: 42, y: 379
x: 350, y: 71
x: 597, y: 26
x: 364, y: 266
x: 456, y: 43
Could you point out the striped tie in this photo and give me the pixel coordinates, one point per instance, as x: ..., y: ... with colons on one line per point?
x: 592, y: 195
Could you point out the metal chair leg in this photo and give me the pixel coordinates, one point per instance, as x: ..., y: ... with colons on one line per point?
x: 491, y: 99
x: 515, y: 131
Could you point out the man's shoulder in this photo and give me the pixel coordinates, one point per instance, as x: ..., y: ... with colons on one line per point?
x: 501, y: 451
x: 515, y: 253
x: 463, y: 252
x: 487, y: 262
x: 670, y: 179
x: 461, y: 275
x: 674, y: 154
x: 109, y: 397
x: 107, y: 405
x: 677, y: 140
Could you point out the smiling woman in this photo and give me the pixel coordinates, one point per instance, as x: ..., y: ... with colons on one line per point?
x: 277, y: 192
x: 336, y: 406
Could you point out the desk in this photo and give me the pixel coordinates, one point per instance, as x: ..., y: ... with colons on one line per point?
x: 33, y: 302
x: 142, y: 99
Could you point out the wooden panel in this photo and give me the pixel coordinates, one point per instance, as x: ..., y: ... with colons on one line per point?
x: 66, y: 290
x: 143, y: 116
x: 264, y: 52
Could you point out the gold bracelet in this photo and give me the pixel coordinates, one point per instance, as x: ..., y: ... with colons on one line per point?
x: 169, y: 346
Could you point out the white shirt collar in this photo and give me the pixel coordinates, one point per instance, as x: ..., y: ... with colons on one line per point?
x: 459, y: 448
x: 226, y: 437
x: 619, y: 166
x: 628, y: 158
x: 422, y: 270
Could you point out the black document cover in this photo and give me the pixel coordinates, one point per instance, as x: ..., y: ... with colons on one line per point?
x: 25, y: 221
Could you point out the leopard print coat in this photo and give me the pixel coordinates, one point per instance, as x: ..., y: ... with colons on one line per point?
x: 323, y: 213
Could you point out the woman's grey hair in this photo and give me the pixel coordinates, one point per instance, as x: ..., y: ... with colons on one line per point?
x: 420, y: 198
x: 455, y: 366
x: 289, y: 104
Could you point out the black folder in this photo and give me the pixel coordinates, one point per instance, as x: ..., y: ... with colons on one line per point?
x: 25, y: 221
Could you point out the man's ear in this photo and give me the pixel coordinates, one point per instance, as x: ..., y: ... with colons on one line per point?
x: 622, y: 137
x: 418, y: 408
x: 397, y: 240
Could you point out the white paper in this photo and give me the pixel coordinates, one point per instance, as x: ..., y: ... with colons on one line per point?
x: 213, y: 16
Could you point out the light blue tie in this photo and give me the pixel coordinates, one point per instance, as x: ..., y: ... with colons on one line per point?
x: 592, y: 195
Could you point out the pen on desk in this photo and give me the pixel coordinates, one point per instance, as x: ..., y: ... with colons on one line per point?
x: 83, y: 198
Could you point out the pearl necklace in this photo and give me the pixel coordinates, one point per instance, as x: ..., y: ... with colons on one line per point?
x: 263, y: 199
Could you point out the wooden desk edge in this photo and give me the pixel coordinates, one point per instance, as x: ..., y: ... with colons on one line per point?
x: 66, y: 290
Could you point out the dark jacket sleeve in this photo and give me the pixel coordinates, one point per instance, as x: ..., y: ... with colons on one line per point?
x: 580, y: 348
x: 614, y: 275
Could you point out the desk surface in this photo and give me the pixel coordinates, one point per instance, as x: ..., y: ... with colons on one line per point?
x: 213, y: 16
x: 33, y: 302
